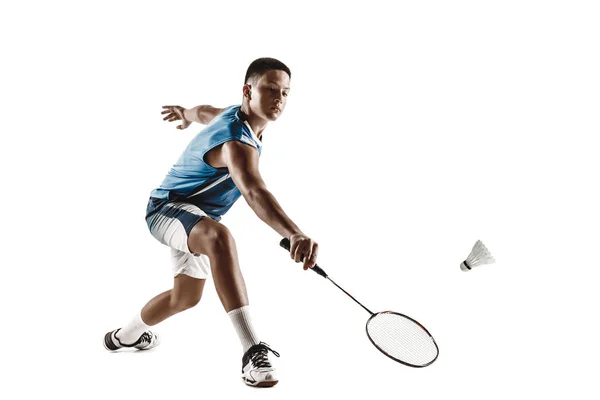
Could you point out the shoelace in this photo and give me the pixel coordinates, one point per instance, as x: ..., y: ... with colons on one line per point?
x: 259, y: 357
x: 146, y: 338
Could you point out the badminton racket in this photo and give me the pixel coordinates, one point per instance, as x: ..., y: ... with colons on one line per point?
x: 396, y: 335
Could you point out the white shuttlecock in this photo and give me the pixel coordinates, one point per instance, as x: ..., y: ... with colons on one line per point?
x: 479, y: 256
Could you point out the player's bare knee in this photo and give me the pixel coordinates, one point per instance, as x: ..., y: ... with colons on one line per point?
x: 185, y: 301
x: 210, y: 238
x: 220, y: 242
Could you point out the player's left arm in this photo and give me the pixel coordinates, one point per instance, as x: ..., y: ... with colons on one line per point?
x: 201, y: 114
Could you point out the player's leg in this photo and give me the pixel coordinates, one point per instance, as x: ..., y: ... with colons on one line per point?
x: 215, y: 240
x: 186, y: 293
x: 170, y: 224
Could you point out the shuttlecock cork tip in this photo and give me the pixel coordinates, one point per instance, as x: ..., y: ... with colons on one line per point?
x: 464, y: 266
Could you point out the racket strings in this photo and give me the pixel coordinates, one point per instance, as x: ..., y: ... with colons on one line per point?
x: 402, y: 338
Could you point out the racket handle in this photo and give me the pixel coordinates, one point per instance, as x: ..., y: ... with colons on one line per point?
x: 285, y: 243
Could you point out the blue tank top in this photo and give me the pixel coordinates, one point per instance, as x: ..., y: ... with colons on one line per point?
x: 193, y: 180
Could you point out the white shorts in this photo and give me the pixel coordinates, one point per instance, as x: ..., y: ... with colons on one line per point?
x: 171, y: 224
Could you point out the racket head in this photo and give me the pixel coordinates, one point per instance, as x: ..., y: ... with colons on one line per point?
x: 402, y: 339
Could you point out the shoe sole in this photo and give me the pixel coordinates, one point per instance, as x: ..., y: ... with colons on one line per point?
x: 260, y: 384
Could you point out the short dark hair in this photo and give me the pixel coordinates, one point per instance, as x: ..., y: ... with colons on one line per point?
x: 261, y: 65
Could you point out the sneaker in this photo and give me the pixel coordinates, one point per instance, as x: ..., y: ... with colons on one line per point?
x: 256, y: 368
x: 147, y: 341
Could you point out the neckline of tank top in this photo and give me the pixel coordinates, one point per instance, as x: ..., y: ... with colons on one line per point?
x: 243, y: 119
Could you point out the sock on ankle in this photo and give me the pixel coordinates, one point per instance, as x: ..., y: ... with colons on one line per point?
x: 240, y: 317
x: 131, y: 332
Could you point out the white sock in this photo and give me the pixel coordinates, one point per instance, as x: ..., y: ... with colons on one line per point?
x: 131, y: 332
x: 243, y: 326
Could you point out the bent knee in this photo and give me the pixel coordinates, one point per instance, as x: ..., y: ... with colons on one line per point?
x: 221, y: 240
x: 211, y: 239
x: 186, y: 301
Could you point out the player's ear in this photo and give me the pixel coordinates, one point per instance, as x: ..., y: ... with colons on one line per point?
x: 247, y: 90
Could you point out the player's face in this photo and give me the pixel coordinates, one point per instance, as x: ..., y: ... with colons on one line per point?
x: 270, y: 93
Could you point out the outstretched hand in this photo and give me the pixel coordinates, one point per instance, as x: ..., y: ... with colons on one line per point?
x: 176, y: 113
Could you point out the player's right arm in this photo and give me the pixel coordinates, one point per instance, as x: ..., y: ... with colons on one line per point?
x: 242, y: 162
x: 201, y: 114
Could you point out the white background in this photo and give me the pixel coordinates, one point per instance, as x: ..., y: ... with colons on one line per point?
x: 411, y: 131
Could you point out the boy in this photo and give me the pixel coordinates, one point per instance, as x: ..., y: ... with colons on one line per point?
x: 219, y: 165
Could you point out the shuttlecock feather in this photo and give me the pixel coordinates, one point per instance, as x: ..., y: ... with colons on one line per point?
x: 479, y: 256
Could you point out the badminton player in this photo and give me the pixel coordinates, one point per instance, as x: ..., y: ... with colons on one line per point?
x: 219, y: 165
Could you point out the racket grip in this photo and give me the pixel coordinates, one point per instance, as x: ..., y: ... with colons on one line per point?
x: 285, y: 243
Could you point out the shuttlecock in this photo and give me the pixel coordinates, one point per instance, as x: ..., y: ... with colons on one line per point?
x: 479, y: 256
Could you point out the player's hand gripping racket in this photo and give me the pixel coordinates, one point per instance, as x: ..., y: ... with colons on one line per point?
x: 396, y: 335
